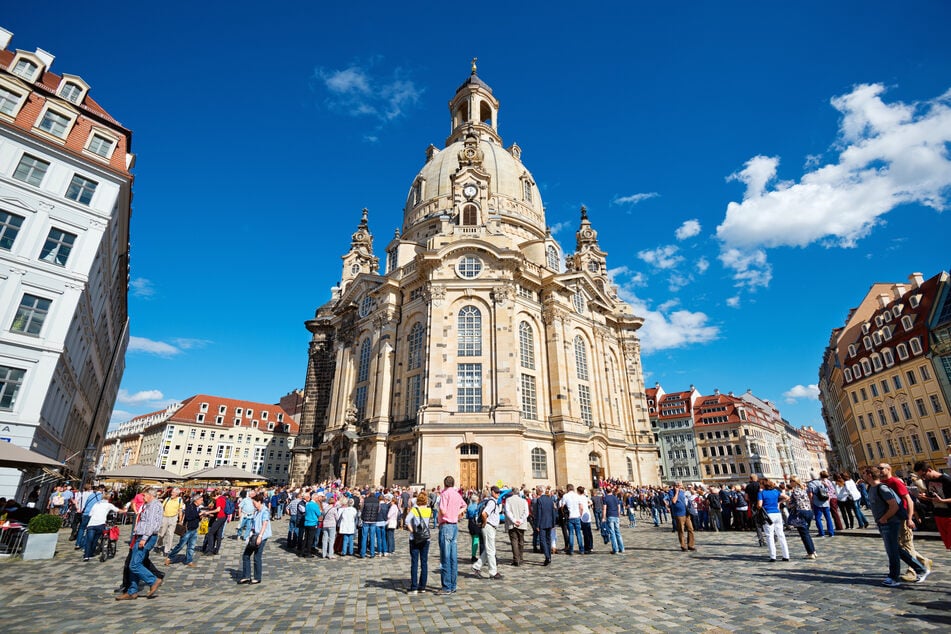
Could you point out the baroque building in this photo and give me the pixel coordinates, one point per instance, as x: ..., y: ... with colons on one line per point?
x: 882, y: 383
x: 480, y: 350
x: 65, y: 205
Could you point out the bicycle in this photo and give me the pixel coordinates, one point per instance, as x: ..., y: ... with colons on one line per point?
x: 109, y: 540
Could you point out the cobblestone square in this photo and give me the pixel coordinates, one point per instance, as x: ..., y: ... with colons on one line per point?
x: 726, y: 585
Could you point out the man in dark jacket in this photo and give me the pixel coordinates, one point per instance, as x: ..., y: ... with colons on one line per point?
x: 368, y: 515
x: 191, y: 518
x: 543, y: 510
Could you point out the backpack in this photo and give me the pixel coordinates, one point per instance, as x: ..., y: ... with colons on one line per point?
x: 420, y: 529
x: 714, y: 501
x: 820, y: 492
x: 229, y: 506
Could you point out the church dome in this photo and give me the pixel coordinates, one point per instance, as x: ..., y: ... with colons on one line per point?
x: 474, y: 155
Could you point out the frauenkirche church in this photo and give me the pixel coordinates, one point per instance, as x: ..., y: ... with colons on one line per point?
x: 482, y: 351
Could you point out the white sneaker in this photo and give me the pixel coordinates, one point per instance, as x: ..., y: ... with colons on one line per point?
x: 891, y: 583
x: 923, y: 576
x: 811, y: 556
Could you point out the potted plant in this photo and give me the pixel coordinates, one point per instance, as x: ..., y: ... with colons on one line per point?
x: 42, y: 535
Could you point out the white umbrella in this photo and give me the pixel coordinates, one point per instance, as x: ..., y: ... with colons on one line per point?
x: 17, y: 457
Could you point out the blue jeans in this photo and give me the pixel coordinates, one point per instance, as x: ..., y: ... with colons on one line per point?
x: 139, y: 573
x: 81, y: 535
x: 574, y: 528
x: 897, y: 554
x: 367, y: 539
x: 346, y: 547
x: 448, y: 556
x: 860, y: 516
x: 419, y: 556
x: 293, y: 531
x: 188, y: 540
x: 803, y: 531
x: 614, y: 534
x: 244, y: 527
x: 824, y: 512
x: 252, y: 549
x: 93, y: 534
x: 655, y: 514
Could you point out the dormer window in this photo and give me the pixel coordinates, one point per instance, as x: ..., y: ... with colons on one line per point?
x: 71, y: 92
x: 887, y: 332
x: 867, y: 342
x: 26, y: 69
x: 848, y: 375
x: 10, y: 101
x: 889, y: 357
x: 902, y: 350
x: 915, y: 345
x: 101, y: 145
x: 852, y: 350
x: 54, y: 123
x: 878, y: 320
x: 857, y: 369
x: 877, y: 338
x: 896, y: 310
x: 914, y: 300
x: 877, y: 362
x: 907, y: 322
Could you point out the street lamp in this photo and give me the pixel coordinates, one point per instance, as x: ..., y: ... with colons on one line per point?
x: 89, y: 457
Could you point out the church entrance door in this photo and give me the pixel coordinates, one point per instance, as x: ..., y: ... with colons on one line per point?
x: 469, y: 474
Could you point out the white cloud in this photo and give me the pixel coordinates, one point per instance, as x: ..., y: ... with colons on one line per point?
x: 191, y: 344
x: 119, y: 416
x: 159, y: 348
x: 633, y: 199
x: 688, y: 229
x: 664, y: 328
x: 142, y: 287
x: 558, y: 227
x: 357, y: 92
x: 749, y: 269
x: 702, y: 265
x: 809, y: 392
x: 889, y: 154
x: 733, y: 302
x: 139, y: 397
x: 662, y: 257
x: 634, y: 278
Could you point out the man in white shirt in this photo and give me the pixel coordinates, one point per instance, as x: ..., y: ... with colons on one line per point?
x: 490, y: 526
x: 572, y: 501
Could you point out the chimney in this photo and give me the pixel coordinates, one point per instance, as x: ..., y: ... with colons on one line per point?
x: 46, y: 57
x: 5, y: 37
x: 916, y: 280
x: 898, y: 290
x: 883, y: 300
x: 716, y: 392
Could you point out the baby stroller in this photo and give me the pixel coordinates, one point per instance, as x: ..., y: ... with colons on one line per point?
x: 109, y: 541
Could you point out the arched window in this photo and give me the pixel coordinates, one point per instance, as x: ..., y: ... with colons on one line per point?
x: 539, y: 464
x: 469, y: 450
x: 526, y: 345
x: 415, y: 344
x: 581, y: 359
x: 470, y: 332
x: 470, y: 215
x: 527, y: 190
x: 363, y: 375
x: 630, y: 470
x: 552, y: 256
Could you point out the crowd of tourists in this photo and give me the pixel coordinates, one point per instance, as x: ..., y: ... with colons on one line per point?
x: 329, y: 520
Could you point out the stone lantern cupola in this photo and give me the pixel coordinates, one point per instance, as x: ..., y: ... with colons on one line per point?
x: 474, y: 110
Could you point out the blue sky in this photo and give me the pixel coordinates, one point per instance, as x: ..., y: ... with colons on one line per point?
x: 752, y: 168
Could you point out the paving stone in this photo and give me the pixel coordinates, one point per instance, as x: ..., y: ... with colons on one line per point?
x: 653, y: 586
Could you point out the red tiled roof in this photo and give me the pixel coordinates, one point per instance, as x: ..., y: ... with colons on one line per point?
x: 191, y: 407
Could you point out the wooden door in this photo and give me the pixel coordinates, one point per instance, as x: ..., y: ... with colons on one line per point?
x: 469, y: 474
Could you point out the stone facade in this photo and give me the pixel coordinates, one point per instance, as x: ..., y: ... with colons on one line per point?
x: 481, y: 352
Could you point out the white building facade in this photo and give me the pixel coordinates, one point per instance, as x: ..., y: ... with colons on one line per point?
x: 65, y: 203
